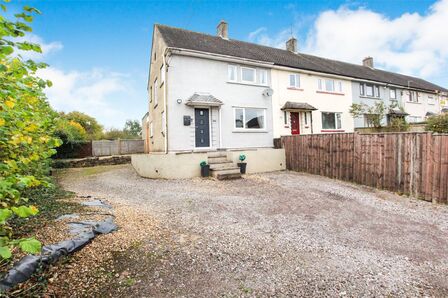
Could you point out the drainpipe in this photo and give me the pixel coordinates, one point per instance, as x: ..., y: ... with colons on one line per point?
x: 165, y: 99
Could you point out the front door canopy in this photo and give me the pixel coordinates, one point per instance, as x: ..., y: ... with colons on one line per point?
x: 298, y: 106
x: 203, y: 99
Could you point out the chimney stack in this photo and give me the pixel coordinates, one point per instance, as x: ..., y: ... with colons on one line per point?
x: 291, y: 45
x: 223, y: 30
x: 368, y: 61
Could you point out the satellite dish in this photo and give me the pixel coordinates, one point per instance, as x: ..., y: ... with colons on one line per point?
x: 268, y: 92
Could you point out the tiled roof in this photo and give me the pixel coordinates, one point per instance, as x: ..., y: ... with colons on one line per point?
x: 203, y: 99
x: 185, y: 39
x: 289, y: 105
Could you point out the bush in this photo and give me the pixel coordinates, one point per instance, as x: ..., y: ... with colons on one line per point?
x: 438, y: 123
x: 27, y: 125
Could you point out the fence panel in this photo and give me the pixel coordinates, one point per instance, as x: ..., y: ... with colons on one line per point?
x: 412, y: 163
x: 117, y: 147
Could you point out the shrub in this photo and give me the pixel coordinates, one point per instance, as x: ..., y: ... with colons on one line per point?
x: 27, y: 126
x: 438, y: 123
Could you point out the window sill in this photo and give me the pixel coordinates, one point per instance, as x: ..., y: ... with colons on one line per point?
x: 372, y: 97
x: 332, y: 130
x: 286, y: 126
x: 332, y: 93
x: 419, y: 103
x: 249, y: 131
x: 247, y: 84
x: 294, y: 88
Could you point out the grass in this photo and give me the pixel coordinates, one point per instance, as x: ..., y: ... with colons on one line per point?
x: 85, y: 172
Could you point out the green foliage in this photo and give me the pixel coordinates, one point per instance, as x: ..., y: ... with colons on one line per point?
x: 438, y: 123
x: 374, y: 114
x: 398, y: 124
x: 92, y: 128
x: 242, y: 157
x: 133, y: 128
x: 70, y: 131
x: 27, y: 125
x: 203, y: 163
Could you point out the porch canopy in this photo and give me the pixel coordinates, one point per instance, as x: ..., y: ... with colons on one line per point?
x: 203, y: 99
x: 299, y: 106
x: 397, y: 113
x: 429, y: 114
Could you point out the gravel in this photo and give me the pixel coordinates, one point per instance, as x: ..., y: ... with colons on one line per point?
x: 274, y: 234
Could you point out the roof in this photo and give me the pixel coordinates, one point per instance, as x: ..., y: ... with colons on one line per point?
x: 185, y: 39
x: 430, y: 114
x: 397, y: 113
x: 289, y: 105
x: 203, y: 99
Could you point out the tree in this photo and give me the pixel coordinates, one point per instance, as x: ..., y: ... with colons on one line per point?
x: 438, y: 123
x: 27, y: 125
x: 375, y: 114
x: 70, y: 131
x: 93, y: 129
x: 133, y: 128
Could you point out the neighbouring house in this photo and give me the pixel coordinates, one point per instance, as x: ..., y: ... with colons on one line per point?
x: 409, y: 97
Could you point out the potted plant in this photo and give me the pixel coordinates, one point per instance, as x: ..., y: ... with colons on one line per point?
x: 242, y: 164
x: 205, y: 169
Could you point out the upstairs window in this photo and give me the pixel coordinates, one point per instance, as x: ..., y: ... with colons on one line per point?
x: 369, y: 90
x: 162, y: 74
x: 231, y: 71
x: 393, y: 93
x: 150, y: 94
x: 155, y: 88
x: 362, y: 89
x: 248, y: 75
x: 431, y: 100
x: 377, y: 91
x: 413, y: 96
x: 329, y: 85
x: 331, y: 120
x: 262, y: 76
x: 294, y: 80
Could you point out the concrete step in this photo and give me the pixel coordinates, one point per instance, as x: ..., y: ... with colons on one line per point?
x: 223, y: 165
x: 216, y: 154
x: 214, y: 160
x: 222, y: 174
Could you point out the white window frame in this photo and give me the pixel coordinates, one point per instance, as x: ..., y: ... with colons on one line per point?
x: 335, y: 120
x: 244, y: 119
x: 394, y: 90
x: 249, y: 68
x: 431, y: 100
x: 235, y: 68
x: 373, y: 90
x: 162, y: 129
x: 151, y: 130
x: 336, y: 85
x: 262, y: 75
x: 155, y: 88
x: 296, y: 80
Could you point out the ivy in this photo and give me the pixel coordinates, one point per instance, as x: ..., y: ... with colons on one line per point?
x: 27, y: 125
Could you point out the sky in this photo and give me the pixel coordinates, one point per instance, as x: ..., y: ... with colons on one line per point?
x: 98, y: 51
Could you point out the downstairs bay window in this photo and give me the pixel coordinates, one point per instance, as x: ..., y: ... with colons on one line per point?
x: 331, y: 120
x: 249, y: 119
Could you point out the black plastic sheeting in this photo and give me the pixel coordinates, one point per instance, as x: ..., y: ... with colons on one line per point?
x: 85, y: 231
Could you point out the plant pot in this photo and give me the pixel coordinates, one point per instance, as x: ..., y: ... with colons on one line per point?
x: 242, y: 166
x: 205, y: 171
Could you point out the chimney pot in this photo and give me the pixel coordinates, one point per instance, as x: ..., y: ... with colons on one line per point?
x: 291, y: 45
x: 223, y: 30
x: 368, y: 61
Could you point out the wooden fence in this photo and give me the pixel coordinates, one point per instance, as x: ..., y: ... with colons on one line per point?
x: 415, y: 164
x: 117, y: 147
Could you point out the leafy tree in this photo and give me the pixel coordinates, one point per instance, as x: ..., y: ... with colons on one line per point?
x: 70, y: 131
x: 376, y: 113
x: 93, y: 129
x: 133, y: 128
x: 438, y: 123
x: 27, y: 126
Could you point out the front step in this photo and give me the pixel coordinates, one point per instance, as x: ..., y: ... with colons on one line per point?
x: 221, y: 168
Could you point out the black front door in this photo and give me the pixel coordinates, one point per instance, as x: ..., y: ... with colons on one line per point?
x: 202, y: 135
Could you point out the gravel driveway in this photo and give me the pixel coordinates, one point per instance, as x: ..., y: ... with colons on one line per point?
x: 277, y: 234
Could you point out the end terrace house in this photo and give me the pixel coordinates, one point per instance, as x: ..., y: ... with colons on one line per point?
x: 206, y: 93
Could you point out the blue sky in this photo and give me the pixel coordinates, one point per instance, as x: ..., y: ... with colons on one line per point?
x: 98, y: 51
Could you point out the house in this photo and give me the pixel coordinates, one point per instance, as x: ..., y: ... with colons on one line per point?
x: 214, y: 97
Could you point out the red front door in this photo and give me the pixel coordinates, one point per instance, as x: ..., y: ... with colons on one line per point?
x: 295, y: 124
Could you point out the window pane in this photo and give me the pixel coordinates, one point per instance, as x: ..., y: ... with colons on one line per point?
x: 254, y: 118
x: 292, y: 80
x: 239, y: 118
x: 328, y: 120
x: 377, y: 91
x: 247, y: 75
x: 263, y: 77
x: 319, y: 84
x: 329, y: 85
x: 361, y: 89
x: 232, y: 73
x: 338, y: 121
x: 369, y: 90
x: 340, y: 86
x: 393, y: 93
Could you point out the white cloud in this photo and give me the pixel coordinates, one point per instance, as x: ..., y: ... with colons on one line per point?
x: 93, y: 92
x: 412, y: 43
x: 47, y: 48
